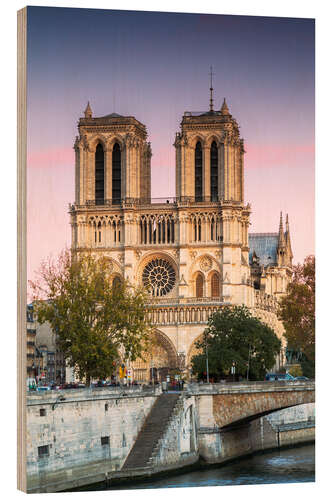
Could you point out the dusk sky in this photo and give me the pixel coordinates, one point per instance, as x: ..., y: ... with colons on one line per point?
x: 155, y: 66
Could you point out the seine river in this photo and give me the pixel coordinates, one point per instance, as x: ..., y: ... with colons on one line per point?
x: 292, y: 465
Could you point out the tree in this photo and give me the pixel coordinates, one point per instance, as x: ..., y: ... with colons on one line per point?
x: 297, y: 310
x: 235, y: 336
x: 96, y: 323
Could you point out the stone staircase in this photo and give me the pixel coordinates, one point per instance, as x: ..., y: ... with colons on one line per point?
x: 151, y: 432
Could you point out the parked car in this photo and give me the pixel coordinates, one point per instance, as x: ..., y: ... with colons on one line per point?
x: 273, y: 377
x: 43, y: 388
x: 302, y: 378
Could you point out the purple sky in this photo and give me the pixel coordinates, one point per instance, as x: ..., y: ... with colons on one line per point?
x: 155, y: 66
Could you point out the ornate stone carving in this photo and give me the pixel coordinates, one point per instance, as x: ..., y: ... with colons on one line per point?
x: 193, y: 254
x: 121, y: 258
x: 176, y: 253
x: 181, y: 360
x: 205, y: 263
x: 159, y: 276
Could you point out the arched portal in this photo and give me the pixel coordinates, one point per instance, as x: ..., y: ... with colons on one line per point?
x: 156, y: 363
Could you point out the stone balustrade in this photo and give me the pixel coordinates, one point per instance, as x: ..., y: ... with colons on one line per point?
x: 265, y: 301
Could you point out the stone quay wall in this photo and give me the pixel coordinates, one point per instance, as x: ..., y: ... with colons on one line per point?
x: 81, y: 437
x: 71, y: 432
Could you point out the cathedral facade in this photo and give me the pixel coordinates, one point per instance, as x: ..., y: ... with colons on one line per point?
x: 193, y: 252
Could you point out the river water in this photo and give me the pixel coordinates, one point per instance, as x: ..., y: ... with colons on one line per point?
x: 292, y: 465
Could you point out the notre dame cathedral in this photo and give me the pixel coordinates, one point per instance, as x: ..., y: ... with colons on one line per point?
x: 193, y: 252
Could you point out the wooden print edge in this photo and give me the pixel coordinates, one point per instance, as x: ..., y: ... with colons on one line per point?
x: 21, y: 245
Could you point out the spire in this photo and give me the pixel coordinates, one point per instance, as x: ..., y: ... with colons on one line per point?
x: 88, y: 112
x: 211, y: 89
x: 288, y: 241
x: 225, y: 109
x: 282, y: 242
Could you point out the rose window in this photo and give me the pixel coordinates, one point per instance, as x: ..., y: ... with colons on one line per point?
x: 159, y: 276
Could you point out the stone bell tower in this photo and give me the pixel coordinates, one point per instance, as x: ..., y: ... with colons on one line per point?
x: 210, y: 157
x: 112, y: 160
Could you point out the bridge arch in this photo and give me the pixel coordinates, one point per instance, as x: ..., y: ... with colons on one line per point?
x: 238, y: 406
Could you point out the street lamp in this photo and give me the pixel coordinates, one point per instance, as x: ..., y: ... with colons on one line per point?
x: 207, y: 366
x: 248, y: 364
x: 233, y: 371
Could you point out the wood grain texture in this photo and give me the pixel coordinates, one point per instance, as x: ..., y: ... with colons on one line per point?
x: 21, y: 244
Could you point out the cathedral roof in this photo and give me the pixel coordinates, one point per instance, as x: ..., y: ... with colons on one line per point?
x: 111, y: 120
x: 264, y: 246
x: 113, y: 115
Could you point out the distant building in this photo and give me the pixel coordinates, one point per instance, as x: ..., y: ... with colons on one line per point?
x: 44, y: 360
x: 192, y: 251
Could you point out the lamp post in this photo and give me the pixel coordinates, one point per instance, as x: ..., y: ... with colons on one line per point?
x: 207, y: 365
x: 248, y: 364
x: 233, y: 371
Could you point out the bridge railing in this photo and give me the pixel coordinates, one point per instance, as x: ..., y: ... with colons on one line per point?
x: 249, y: 386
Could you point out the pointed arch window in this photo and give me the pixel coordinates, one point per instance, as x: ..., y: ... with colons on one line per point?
x: 116, y: 174
x: 214, y: 176
x: 215, y: 285
x: 198, y: 171
x: 116, y: 283
x: 199, y: 285
x: 99, y: 174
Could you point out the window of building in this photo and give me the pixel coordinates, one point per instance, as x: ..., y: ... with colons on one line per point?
x: 199, y: 285
x: 214, y: 172
x: 106, y: 407
x: 116, y: 282
x: 215, y: 285
x: 198, y: 172
x: 99, y: 175
x: 116, y: 174
x: 105, y: 440
x: 42, y: 412
x: 159, y: 277
x: 43, y: 451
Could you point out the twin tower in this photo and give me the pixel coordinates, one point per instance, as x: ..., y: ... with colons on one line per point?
x: 113, y: 159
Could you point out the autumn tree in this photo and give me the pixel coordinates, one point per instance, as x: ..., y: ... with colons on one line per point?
x: 233, y: 335
x: 297, y: 310
x: 95, y: 322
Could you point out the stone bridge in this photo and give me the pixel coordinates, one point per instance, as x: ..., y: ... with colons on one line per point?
x: 83, y: 436
x: 220, y: 405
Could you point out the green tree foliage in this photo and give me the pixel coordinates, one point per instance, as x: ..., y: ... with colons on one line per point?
x: 234, y: 335
x: 95, y: 323
x: 297, y: 310
x: 296, y: 371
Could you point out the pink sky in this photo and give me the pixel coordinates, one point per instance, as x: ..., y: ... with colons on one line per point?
x: 276, y: 178
x: 263, y: 66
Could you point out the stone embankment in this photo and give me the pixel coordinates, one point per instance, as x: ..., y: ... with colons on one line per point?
x: 81, y: 437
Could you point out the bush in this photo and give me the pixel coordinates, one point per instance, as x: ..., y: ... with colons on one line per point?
x: 296, y: 371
